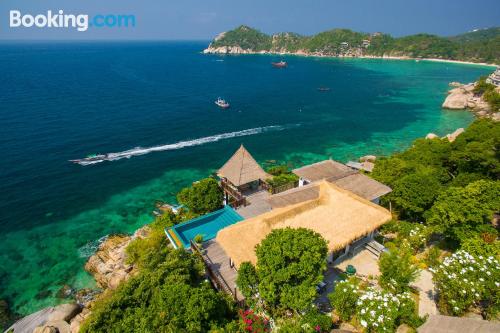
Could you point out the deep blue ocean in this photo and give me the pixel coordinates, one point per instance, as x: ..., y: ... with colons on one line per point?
x: 62, y: 101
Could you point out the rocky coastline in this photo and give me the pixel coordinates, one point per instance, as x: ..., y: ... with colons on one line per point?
x: 353, y: 53
x: 109, y: 267
x: 462, y: 97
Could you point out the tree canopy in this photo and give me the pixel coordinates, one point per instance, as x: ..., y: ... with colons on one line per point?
x: 169, y: 297
x: 290, y: 263
x: 202, y: 197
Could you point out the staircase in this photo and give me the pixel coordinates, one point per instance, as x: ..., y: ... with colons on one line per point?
x: 375, y: 248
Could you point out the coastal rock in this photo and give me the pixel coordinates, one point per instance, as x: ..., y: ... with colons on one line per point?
x: 455, y: 84
x: 431, y: 136
x: 457, y: 99
x: 76, y: 322
x: 57, y: 326
x: 228, y: 50
x: 64, y: 312
x: 368, y: 158
x: 109, y: 260
x: 85, y: 296
x: 453, y: 136
x: 108, y: 265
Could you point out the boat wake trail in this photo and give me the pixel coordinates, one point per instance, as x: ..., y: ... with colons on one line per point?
x: 182, y: 144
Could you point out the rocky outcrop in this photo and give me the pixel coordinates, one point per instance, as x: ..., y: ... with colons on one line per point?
x: 431, y: 136
x: 48, y: 320
x: 460, y: 98
x: 78, y: 320
x: 108, y: 265
x: 452, y: 136
x: 229, y: 50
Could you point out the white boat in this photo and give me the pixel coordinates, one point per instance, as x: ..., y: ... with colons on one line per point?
x: 222, y: 103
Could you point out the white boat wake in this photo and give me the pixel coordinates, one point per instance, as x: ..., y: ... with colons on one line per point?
x: 182, y: 144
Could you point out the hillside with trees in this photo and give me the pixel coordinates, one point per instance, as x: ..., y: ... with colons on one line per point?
x: 477, y: 46
x: 444, y: 199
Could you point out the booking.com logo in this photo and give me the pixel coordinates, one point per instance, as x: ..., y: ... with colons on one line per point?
x: 81, y: 22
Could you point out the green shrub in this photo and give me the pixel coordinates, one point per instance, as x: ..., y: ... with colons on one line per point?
x: 317, y: 321
x: 397, y: 268
x: 464, y: 280
x: 432, y: 256
x: 198, y: 239
x: 344, y: 297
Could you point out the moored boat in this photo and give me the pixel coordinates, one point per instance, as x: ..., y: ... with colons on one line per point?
x: 323, y: 89
x: 281, y: 64
x: 222, y: 103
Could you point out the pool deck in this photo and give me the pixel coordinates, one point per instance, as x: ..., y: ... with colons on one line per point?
x: 257, y: 204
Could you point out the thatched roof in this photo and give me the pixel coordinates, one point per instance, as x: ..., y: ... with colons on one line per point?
x: 242, y: 168
x: 328, y: 169
x: 338, y: 215
x: 446, y: 324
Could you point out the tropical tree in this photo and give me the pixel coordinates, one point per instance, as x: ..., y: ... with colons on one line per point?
x: 290, y: 263
x: 460, y: 213
x: 202, y: 197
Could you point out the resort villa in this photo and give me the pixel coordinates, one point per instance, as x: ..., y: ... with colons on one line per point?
x: 332, y: 199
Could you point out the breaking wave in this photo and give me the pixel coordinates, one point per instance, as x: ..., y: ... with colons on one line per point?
x: 189, y: 143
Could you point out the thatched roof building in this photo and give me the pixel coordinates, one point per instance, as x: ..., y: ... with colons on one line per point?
x: 242, y: 169
x: 338, y: 215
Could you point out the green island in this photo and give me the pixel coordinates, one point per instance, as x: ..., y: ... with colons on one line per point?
x: 482, y: 46
x: 433, y: 257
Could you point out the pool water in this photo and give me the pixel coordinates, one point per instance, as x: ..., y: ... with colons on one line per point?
x: 207, y: 225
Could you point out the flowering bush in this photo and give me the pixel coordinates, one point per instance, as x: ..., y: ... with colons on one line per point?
x: 464, y: 280
x: 253, y: 323
x: 344, y: 298
x: 380, y: 311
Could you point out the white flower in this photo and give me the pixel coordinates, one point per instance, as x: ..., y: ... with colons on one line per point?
x: 364, y: 323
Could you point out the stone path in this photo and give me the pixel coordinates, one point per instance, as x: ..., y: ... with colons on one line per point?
x: 427, y: 294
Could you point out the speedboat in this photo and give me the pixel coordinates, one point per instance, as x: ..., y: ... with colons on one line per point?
x: 323, y: 89
x: 90, y: 159
x: 222, y: 103
x: 281, y: 64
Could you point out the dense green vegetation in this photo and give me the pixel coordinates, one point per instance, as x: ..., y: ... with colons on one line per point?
x: 282, y: 175
x: 202, y: 197
x: 290, y: 263
x: 479, y: 46
x: 169, y: 295
x: 448, y: 192
x: 489, y: 93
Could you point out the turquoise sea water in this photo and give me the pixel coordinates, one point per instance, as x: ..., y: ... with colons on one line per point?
x: 64, y: 101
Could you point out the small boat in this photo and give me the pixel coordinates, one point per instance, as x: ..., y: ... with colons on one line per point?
x: 323, y: 89
x: 281, y: 64
x: 90, y: 159
x: 222, y: 103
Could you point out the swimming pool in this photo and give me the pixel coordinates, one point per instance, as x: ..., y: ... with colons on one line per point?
x: 207, y: 225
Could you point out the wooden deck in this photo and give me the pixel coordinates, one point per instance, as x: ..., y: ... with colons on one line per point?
x: 218, y: 262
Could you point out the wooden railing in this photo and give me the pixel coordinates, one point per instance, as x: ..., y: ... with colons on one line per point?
x: 239, y: 198
x: 215, y: 277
